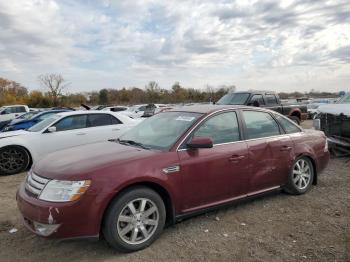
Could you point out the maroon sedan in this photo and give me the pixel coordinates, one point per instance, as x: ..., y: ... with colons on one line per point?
x: 172, y: 165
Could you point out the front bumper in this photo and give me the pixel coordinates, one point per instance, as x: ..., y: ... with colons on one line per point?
x: 323, y: 161
x: 67, y: 220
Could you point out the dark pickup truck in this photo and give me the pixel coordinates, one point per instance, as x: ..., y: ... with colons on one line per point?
x: 270, y: 100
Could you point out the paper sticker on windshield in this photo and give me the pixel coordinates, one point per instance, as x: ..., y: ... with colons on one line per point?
x: 185, y: 118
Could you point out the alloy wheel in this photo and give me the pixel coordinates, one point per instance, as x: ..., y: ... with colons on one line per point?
x: 301, y: 174
x: 12, y: 160
x: 138, y: 221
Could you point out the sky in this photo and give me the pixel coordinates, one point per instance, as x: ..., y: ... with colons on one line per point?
x: 288, y: 45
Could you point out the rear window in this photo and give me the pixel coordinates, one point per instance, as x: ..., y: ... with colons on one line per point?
x: 271, y: 99
x: 234, y: 99
x: 287, y: 125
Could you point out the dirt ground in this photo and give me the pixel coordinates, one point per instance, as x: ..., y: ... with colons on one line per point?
x: 278, y: 227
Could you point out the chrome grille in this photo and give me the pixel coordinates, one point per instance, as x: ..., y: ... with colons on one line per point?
x: 35, y: 184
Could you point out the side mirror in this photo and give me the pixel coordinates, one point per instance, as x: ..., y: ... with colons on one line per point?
x: 51, y: 129
x: 3, y: 112
x: 200, y: 142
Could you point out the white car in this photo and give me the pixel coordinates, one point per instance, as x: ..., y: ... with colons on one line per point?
x: 138, y: 111
x: 115, y: 108
x: 11, y: 112
x: 19, y: 149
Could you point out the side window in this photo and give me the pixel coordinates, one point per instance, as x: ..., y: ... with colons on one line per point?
x: 7, y: 111
x: 20, y: 109
x: 222, y: 128
x: 141, y: 108
x: 260, y: 124
x: 258, y: 98
x: 287, y: 125
x: 115, y: 121
x: 271, y: 99
x: 99, y: 120
x: 71, y: 122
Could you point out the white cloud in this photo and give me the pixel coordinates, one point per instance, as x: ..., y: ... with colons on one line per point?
x: 282, y: 45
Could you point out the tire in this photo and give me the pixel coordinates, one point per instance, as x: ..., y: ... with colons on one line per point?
x: 300, y: 177
x: 128, y: 229
x: 295, y: 119
x: 13, y: 160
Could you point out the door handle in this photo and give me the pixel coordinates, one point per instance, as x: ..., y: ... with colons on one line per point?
x: 115, y: 129
x: 236, y: 158
x: 81, y: 134
x: 286, y: 148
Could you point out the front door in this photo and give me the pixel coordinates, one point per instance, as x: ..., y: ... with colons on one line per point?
x: 214, y: 175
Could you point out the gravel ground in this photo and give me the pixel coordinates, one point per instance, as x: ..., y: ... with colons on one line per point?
x: 278, y: 227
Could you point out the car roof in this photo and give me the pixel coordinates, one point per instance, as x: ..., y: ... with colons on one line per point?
x: 79, y: 112
x: 204, y: 109
x: 13, y: 105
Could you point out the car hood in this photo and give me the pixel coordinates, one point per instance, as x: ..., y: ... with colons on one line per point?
x: 335, y: 109
x: 13, y: 133
x: 80, y: 160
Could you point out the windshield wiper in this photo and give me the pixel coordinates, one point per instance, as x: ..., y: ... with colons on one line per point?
x: 132, y: 143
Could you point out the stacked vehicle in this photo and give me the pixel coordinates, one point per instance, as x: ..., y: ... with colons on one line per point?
x: 334, y: 121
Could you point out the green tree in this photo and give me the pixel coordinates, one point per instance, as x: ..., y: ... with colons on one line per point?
x: 103, y: 97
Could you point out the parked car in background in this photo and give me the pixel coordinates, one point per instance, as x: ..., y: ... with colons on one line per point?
x: 115, y: 108
x: 11, y: 112
x: 19, y: 149
x: 172, y: 165
x: 19, y: 118
x: 138, y: 111
x: 20, y: 123
x: 266, y: 99
x: 334, y: 121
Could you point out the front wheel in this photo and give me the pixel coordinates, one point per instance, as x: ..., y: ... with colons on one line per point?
x: 300, y: 177
x: 134, y: 220
x: 13, y: 160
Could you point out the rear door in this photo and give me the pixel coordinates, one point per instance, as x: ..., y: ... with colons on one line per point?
x: 214, y: 175
x: 102, y: 127
x: 270, y: 150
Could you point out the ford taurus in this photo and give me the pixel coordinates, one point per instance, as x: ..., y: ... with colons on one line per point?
x: 172, y: 165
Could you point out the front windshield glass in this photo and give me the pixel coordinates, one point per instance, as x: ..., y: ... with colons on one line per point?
x: 233, y: 99
x: 28, y: 115
x: 46, y: 122
x: 161, y: 131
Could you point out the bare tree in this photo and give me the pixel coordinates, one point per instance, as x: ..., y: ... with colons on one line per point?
x: 55, y: 84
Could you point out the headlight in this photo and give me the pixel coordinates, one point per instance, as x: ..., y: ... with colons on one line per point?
x: 64, y: 191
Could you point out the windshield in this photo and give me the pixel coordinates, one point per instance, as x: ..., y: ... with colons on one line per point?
x: 233, y: 99
x: 46, y: 122
x: 344, y: 100
x: 28, y: 115
x: 161, y: 131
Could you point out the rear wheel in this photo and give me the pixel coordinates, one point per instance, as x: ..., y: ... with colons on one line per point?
x: 134, y: 220
x: 13, y: 160
x: 300, y: 177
